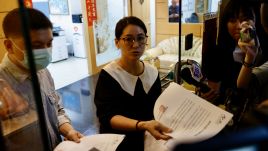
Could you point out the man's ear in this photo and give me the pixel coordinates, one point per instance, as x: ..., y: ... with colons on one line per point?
x: 116, y: 41
x: 8, y: 45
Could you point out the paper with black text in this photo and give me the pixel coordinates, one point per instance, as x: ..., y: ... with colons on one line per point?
x: 97, y: 142
x: 191, y: 117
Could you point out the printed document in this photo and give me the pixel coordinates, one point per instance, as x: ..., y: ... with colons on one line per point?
x: 191, y: 117
x: 98, y: 142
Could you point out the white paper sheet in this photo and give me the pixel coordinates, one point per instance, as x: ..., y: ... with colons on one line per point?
x: 191, y: 117
x: 98, y: 142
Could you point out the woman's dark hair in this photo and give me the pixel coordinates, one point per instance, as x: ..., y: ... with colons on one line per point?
x: 12, y: 21
x: 122, y: 24
x: 235, y: 9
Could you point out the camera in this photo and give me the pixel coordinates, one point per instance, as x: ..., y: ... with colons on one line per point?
x: 247, y: 34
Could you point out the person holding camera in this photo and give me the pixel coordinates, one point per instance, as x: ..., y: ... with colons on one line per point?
x: 251, y: 78
x: 224, y: 63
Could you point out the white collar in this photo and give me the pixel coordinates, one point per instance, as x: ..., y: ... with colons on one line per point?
x: 128, y: 81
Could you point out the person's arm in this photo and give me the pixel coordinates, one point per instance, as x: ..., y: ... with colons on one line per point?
x: 245, y: 73
x: 214, y: 91
x: 65, y: 127
x: 157, y: 129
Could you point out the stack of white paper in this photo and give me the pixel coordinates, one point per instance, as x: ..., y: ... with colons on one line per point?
x: 191, y: 118
x: 98, y: 142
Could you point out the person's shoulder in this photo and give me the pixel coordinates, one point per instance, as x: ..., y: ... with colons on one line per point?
x: 150, y: 69
x: 109, y: 70
x: 45, y: 73
x: 111, y: 67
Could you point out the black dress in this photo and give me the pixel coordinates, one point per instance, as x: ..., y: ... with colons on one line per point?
x: 120, y: 93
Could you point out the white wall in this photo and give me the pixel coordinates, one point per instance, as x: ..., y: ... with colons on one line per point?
x: 75, y: 6
x: 152, y: 23
x: 214, y: 5
x: 65, y: 21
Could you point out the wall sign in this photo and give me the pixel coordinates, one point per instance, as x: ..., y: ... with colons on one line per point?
x: 91, y: 11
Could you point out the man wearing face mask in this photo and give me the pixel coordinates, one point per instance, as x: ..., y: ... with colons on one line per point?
x: 16, y: 80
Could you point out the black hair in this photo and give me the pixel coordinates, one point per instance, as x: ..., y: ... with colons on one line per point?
x: 235, y: 9
x: 122, y: 24
x: 264, y: 16
x: 12, y: 21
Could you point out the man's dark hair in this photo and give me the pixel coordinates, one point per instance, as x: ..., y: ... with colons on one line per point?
x: 122, y: 24
x: 12, y: 21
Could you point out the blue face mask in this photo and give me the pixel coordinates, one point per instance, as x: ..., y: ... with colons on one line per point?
x: 42, y: 57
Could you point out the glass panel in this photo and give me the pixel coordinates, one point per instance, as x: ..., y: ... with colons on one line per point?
x: 22, y: 125
x: 192, y: 10
x: 173, y: 10
x: 108, y: 13
x: 21, y: 105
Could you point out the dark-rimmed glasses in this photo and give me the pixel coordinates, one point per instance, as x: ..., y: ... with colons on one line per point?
x: 142, y: 40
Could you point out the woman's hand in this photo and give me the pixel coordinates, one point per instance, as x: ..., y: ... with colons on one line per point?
x: 210, y: 95
x: 156, y: 129
x: 213, y: 93
x: 250, y: 46
x: 251, y: 52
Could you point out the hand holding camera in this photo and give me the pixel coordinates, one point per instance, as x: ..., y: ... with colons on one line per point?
x: 248, y: 34
x: 248, y: 41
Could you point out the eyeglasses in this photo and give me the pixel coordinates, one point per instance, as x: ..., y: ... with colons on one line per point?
x: 131, y: 40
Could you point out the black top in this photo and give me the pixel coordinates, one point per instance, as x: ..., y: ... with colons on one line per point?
x: 221, y: 67
x: 111, y: 99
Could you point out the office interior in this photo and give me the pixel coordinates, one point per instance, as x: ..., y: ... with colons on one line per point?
x: 83, y: 45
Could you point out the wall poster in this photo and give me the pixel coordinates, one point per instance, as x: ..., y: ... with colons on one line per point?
x: 58, y: 7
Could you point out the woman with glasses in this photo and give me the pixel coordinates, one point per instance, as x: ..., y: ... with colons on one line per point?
x: 127, y: 89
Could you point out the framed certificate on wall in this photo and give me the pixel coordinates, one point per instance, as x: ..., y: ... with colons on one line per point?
x: 58, y: 7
